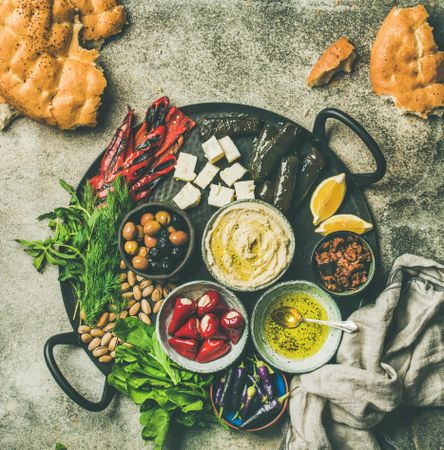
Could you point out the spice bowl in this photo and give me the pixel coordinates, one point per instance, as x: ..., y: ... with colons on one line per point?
x: 369, y: 267
x: 280, y: 386
x: 179, y: 222
x: 193, y: 291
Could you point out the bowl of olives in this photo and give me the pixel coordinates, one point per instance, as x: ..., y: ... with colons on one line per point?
x: 156, y: 240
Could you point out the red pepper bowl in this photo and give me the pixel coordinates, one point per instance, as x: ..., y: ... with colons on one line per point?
x: 193, y: 290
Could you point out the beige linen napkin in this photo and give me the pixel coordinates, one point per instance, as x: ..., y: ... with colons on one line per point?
x: 397, y: 356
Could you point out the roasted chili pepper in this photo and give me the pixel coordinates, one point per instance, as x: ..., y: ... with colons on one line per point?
x: 209, y: 326
x: 185, y: 347
x: 266, y: 411
x: 184, y: 308
x: 210, y: 302
x: 240, y: 376
x: 233, y: 322
x: 190, y: 329
x: 154, y: 117
x: 212, y: 349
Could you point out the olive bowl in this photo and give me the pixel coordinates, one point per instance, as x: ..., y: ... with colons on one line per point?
x: 273, y: 211
x: 153, y: 207
x: 194, y: 290
x: 275, y: 359
x: 371, y: 270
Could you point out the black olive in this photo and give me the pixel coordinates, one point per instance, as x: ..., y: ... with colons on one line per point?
x: 154, y: 253
x: 154, y: 265
x: 164, y: 246
x: 165, y: 265
x: 177, y: 253
x: 163, y: 233
x: 177, y: 222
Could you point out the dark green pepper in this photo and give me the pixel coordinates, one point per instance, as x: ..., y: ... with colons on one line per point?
x: 229, y: 126
x: 268, y: 152
x: 286, y: 182
x: 311, y: 166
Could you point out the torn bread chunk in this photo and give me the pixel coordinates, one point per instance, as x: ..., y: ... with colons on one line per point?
x: 188, y: 197
x: 212, y: 149
x: 220, y: 195
x: 244, y: 190
x: 206, y: 175
x: 406, y: 65
x: 338, y: 57
x: 185, y: 166
x: 232, y: 174
x: 230, y: 150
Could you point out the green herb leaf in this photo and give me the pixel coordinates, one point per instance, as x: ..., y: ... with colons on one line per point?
x: 157, y: 424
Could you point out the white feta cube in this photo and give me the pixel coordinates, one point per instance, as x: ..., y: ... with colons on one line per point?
x: 212, y: 149
x: 244, y: 190
x: 185, y: 166
x: 187, y: 197
x: 220, y: 195
x: 233, y: 173
x: 230, y: 150
x: 206, y: 175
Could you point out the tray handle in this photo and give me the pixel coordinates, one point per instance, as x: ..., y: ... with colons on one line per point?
x: 361, y: 179
x: 73, y: 339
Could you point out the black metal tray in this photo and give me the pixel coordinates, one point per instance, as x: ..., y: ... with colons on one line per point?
x: 301, y: 220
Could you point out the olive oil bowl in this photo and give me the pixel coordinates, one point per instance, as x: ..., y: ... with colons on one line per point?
x: 306, y: 347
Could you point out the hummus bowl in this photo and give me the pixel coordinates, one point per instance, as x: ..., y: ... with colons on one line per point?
x: 194, y: 290
x: 248, y: 245
x: 318, y: 341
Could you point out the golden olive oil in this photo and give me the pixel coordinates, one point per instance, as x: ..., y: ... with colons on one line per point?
x: 306, y: 339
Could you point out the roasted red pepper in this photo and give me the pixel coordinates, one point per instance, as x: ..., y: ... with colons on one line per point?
x: 209, y: 326
x: 233, y: 323
x: 190, y: 329
x: 183, y: 310
x: 185, y: 347
x: 154, y: 117
x: 212, y: 349
x: 211, y: 302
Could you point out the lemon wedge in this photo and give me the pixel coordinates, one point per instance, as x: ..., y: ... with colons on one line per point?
x: 327, y: 198
x: 344, y: 222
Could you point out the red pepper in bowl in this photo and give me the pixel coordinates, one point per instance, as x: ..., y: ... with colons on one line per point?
x: 190, y: 329
x: 233, y: 323
x: 210, y: 302
x: 209, y: 326
x: 212, y: 349
x: 185, y: 347
x: 183, y: 310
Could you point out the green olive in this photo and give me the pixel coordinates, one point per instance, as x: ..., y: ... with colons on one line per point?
x: 129, y: 231
x: 152, y: 227
x: 149, y: 241
x: 178, y: 238
x: 131, y: 247
x: 139, y: 229
x: 140, y: 262
x: 146, y: 218
x: 143, y: 251
x: 171, y: 229
x: 163, y: 217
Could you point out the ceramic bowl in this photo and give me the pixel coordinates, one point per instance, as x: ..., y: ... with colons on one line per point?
x: 277, y: 360
x: 371, y: 272
x: 152, y: 207
x: 280, y: 385
x: 194, y: 290
x: 237, y: 204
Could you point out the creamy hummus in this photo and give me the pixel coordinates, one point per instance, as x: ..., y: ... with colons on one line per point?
x: 249, y: 245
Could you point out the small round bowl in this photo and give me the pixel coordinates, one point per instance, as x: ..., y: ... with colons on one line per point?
x: 272, y: 210
x: 194, y: 290
x: 277, y: 360
x: 152, y: 207
x: 280, y: 385
x: 371, y: 271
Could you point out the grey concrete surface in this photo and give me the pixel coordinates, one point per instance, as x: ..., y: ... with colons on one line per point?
x: 254, y: 52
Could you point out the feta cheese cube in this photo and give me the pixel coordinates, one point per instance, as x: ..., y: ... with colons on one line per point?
x: 212, y: 149
x: 233, y: 173
x: 185, y: 166
x: 244, y: 190
x: 206, y: 175
x: 220, y: 195
x: 187, y: 197
x: 230, y: 150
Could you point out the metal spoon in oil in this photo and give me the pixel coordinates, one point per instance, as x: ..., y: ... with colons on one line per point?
x: 290, y: 317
